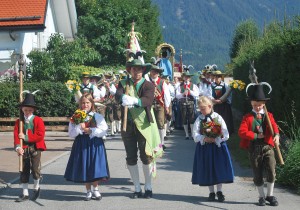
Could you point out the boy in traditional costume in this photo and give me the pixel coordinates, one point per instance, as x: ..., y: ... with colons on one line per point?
x: 141, y: 133
x: 33, y: 137
x: 257, y: 139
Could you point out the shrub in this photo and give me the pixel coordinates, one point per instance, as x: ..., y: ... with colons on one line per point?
x: 53, y: 99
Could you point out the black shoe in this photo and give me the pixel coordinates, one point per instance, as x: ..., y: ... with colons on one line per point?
x: 272, y: 200
x: 261, y: 201
x: 137, y: 195
x: 22, y: 198
x: 164, y: 147
x: 168, y: 133
x: 221, y: 197
x: 36, y: 194
x: 212, y: 197
x: 187, y: 138
x: 148, y: 194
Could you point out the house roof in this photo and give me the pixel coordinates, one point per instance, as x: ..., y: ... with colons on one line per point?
x: 23, y: 14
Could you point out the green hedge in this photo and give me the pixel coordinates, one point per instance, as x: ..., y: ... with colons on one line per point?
x: 277, y: 61
x: 53, y: 99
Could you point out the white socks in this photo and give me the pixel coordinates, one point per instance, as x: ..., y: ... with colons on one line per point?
x: 270, y: 188
x: 211, y: 188
x: 88, y: 194
x: 219, y: 187
x: 96, y: 192
x: 161, y: 135
x: 36, y: 184
x: 147, y: 174
x: 25, y: 189
x: 134, y: 173
x: 186, y: 130
x: 261, y: 191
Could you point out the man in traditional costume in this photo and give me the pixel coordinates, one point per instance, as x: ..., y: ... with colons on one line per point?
x: 205, y: 85
x: 170, y: 115
x: 161, y: 102
x: 87, y: 87
x: 109, y: 100
x: 187, y: 92
x: 141, y: 133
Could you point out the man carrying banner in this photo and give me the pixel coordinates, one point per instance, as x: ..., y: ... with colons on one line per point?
x: 141, y: 129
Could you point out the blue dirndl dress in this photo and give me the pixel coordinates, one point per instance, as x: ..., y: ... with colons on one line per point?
x: 212, y: 165
x: 87, y: 161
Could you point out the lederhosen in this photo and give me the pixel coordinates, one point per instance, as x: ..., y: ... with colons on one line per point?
x: 109, y: 102
x: 223, y: 109
x: 117, y: 109
x: 261, y: 155
x: 187, y: 106
x: 158, y: 106
x: 31, y: 157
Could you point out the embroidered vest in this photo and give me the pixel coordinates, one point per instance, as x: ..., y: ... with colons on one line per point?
x: 218, y: 90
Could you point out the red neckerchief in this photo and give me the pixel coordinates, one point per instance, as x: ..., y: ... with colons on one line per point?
x: 185, y: 86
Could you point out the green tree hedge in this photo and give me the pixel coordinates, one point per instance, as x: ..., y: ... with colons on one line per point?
x: 53, y: 99
x: 277, y: 61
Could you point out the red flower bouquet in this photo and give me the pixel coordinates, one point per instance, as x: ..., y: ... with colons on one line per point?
x: 211, y: 129
x: 78, y: 117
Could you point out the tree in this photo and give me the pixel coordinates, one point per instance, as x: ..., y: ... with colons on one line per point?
x: 106, y: 23
x: 246, y: 31
x: 54, y: 64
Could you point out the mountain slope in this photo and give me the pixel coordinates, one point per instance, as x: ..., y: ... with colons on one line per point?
x: 203, y: 29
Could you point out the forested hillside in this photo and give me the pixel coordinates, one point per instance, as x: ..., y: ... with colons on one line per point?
x: 203, y: 29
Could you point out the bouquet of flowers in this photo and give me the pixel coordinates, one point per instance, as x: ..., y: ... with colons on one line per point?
x: 211, y: 129
x: 233, y: 84
x: 73, y: 86
x: 78, y: 117
x: 237, y: 84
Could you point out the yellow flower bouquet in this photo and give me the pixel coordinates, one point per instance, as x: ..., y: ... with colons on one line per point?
x: 233, y: 84
x: 78, y: 117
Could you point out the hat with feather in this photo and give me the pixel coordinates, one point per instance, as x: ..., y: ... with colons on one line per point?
x: 155, y: 65
x: 29, y: 99
x: 186, y: 70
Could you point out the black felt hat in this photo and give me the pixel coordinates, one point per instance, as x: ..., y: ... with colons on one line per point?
x: 257, y: 92
x: 28, y: 101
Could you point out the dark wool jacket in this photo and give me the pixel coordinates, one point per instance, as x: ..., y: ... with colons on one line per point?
x: 145, y: 93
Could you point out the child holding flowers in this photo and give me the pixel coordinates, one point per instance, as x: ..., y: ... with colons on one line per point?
x: 212, y: 162
x: 88, y: 161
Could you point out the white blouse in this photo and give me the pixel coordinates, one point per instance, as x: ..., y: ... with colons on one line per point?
x: 200, y: 138
x: 99, y: 131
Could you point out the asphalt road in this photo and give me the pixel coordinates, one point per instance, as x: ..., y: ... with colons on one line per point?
x: 172, y: 187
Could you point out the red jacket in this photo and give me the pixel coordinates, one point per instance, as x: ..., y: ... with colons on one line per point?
x: 38, y: 137
x: 246, y: 133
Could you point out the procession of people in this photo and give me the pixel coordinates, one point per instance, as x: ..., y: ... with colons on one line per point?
x: 144, y: 104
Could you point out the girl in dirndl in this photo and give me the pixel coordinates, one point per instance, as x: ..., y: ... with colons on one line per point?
x: 212, y: 161
x: 88, y: 161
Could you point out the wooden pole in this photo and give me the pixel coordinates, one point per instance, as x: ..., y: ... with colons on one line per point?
x: 277, y: 149
x: 21, y: 115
